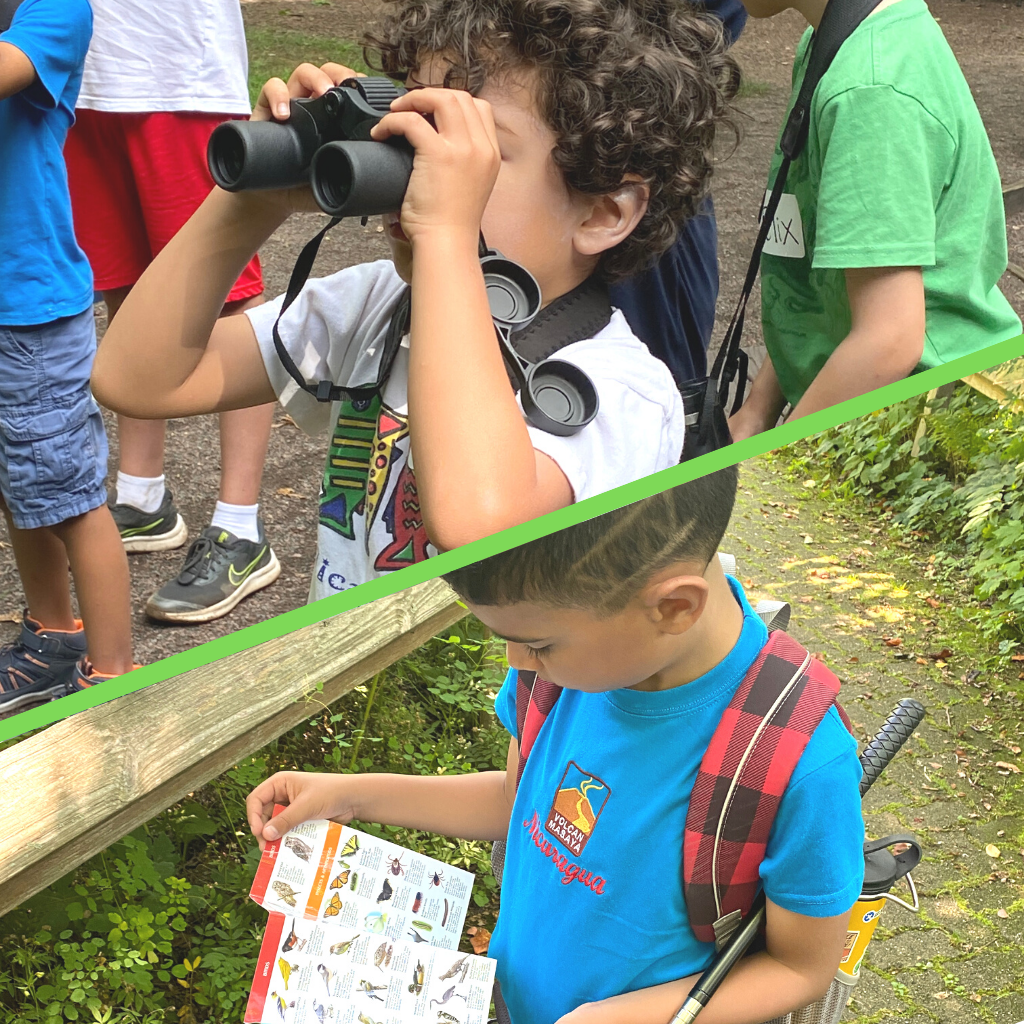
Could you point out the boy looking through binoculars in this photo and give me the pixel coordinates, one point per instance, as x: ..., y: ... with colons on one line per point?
x: 577, y: 137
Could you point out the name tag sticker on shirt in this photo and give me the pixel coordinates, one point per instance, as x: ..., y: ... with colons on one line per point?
x: 786, y: 235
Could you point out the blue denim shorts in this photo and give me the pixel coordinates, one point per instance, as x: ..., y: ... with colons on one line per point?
x: 53, y: 447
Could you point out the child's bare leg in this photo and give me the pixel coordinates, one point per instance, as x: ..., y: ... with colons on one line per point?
x: 43, y: 567
x: 99, y: 567
x: 244, y: 436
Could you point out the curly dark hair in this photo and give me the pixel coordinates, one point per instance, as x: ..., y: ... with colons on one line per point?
x: 629, y: 87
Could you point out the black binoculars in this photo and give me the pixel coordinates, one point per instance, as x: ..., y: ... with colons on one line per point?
x: 326, y: 143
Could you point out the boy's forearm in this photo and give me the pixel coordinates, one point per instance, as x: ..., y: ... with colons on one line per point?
x: 161, y: 332
x: 763, y: 407
x: 863, y: 361
x: 471, y: 806
x: 468, y: 426
x: 758, y: 988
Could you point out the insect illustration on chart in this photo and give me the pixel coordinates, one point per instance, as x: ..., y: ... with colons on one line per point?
x: 375, y: 922
x: 441, y: 1015
x: 424, y: 926
x: 363, y: 1019
x: 286, y: 892
x: 293, y: 942
x: 444, y: 919
x: 341, y: 948
x: 416, y: 937
x: 355, y: 881
x: 395, y: 866
x: 437, y: 878
x: 417, y: 979
x: 334, y: 905
x: 417, y: 903
x: 340, y: 880
x: 286, y: 971
x: 298, y: 847
x: 462, y: 964
x: 448, y: 993
x: 370, y: 989
x: 383, y: 956
x: 327, y: 974
x: 350, y: 847
x: 386, y: 892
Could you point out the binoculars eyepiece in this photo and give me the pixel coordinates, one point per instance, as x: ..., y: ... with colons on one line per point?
x: 324, y: 143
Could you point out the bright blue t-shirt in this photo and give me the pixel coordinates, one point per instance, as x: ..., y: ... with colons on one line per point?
x: 608, y: 916
x: 44, y: 275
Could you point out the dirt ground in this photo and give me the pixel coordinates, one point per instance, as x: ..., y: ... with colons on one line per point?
x: 988, y: 38
x: 891, y: 625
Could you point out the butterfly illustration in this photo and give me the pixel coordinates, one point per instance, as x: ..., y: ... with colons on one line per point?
x: 386, y: 892
x: 340, y: 880
x: 350, y: 847
x: 333, y: 908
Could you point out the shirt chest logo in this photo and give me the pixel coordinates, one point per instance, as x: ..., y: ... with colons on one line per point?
x: 786, y: 234
x: 579, y: 800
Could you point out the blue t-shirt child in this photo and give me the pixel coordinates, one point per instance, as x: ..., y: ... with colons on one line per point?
x: 608, y: 917
x: 44, y: 273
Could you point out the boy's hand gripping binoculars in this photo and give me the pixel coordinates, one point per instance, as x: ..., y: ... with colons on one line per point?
x: 326, y: 144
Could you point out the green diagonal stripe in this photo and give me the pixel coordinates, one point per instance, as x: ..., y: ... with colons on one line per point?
x: 250, y: 636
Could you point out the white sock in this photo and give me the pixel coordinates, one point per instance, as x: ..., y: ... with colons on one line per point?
x: 142, y: 492
x: 239, y: 519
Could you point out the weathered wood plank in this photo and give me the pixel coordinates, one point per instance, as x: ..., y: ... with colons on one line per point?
x: 85, y: 782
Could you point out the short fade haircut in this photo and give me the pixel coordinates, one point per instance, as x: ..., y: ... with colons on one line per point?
x: 603, y: 563
x: 629, y: 87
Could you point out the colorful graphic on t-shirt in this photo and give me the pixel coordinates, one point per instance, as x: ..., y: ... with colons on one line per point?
x: 404, y: 521
x: 363, y: 454
x: 579, y: 801
x: 348, y: 461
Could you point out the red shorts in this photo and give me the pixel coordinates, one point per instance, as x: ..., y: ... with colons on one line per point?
x: 135, y: 179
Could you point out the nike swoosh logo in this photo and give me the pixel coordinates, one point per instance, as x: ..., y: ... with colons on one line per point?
x: 238, y: 578
x: 136, y: 530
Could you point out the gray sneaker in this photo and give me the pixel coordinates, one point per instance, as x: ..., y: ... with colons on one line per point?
x: 220, y: 569
x: 150, y: 531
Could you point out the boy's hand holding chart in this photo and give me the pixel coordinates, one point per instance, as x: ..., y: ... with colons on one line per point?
x: 363, y: 931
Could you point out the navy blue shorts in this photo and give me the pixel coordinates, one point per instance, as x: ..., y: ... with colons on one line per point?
x: 53, y: 447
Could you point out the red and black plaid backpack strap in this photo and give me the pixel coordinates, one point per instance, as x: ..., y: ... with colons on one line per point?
x: 535, y: 698
x: 744, y: 772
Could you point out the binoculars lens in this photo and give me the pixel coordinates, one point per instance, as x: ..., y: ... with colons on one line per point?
x: 361, y: 179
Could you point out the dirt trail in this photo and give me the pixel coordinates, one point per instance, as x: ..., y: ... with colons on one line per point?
x: 955, y: 785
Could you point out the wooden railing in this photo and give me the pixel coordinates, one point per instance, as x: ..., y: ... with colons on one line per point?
x: 71, y: 790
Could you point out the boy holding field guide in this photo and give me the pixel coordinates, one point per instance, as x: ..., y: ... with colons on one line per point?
x: 652, y: 645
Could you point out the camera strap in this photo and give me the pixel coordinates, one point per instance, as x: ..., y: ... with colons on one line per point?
x: 838, y: 21
x: 577, y: 315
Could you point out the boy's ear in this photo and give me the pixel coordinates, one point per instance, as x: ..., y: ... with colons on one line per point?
x: 675, y: 604
x: 611, y: 218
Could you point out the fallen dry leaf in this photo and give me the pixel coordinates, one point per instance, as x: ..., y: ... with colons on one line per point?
x: 974, y: 997
x: 853, y: 660
x: 480, y: 939
x: 1002, y: 913
x: 1017, y: 657
x: 288, y: 492
x: 11, y: 617
x: 805, y: 599
x: 922, y: 661
x: 893, y: 641
x: 932, y: 603
x: 992, y: 850
x: 1008, y: 766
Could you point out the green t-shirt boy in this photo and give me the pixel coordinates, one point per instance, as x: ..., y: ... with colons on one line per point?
x: 885, y: 255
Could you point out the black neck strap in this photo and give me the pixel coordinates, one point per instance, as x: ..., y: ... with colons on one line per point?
x: 839, y: 20
x: 578, y: 314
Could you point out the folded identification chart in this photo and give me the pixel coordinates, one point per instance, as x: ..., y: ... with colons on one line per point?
x: 362, y: 931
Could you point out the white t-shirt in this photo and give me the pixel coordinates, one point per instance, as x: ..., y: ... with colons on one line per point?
x: 370, y: 520
x: 151, y: 55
